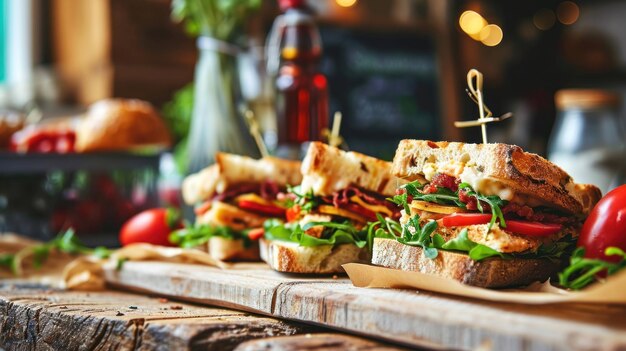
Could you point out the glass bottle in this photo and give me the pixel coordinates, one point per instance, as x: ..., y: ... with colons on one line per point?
x: 301, y: 90
x: 588, y: 140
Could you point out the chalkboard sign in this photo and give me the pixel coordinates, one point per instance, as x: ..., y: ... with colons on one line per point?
x: 385, y: 84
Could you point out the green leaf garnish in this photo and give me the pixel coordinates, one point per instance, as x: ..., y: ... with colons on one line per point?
x: 65, y: 242
x: 583, y: 271
x: 195, y: 235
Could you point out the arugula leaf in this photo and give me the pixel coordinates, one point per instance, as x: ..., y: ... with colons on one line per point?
x: 445, y: 196
x: 431, y: 243
x: 334, y: 233
x: 476, y: 251
x: 307, y: 201
x: 415, y: 235
x: 494, y: 202
x: 583, y: 271
x: 460, y: 243
x: 196, y: 235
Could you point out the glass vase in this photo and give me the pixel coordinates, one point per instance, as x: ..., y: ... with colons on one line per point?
x: 217, y: 122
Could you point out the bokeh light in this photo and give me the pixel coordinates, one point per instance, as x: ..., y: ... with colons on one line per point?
x: 472, y: 22
x: 345, y: 3
x: 491, y: 35
x: 544, y: 19
x: 567, y: 12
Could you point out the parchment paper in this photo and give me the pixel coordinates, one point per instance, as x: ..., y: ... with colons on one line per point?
x: 612, y: 291
x: 87, y: 272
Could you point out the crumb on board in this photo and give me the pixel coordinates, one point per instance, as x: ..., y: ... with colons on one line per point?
x: 176, y: 307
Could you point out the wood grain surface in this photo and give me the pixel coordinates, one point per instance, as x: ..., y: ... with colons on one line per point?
x: 35, y: 318
x: 410, y: 317
x: 318, y: 342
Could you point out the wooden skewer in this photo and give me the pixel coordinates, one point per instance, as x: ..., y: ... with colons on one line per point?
x: 335, y: 139
x: 477, y: 92
x: 253, y: 125
x: 464, y: 124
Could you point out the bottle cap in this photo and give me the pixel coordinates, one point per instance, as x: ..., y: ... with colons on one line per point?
x: 585, y: 98
x: 290, y: 4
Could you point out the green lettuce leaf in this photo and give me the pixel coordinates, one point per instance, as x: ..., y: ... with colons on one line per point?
x: 196, y: 235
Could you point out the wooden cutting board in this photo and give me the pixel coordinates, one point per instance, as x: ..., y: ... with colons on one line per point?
x: 410, y: 317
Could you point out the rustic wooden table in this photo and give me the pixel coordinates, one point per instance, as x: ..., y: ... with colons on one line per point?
x: 417, y: 318
x: 35, y: 318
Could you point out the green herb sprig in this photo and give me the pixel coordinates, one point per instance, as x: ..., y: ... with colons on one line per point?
x: 447, y: 197
x: 307, y: 201
x: 425, y: 237
x: 334, y: 233
x: 494, y: 201
x: 583, y: 271
x: 66, y: 242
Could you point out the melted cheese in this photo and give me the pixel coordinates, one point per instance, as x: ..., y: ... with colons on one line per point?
x: 334, y: 211
x: 374, y: 208
x: 469, y: 173
x: 253, y: 198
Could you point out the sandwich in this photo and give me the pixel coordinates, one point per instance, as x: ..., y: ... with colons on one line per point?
x: 232, y: 199
x: 488, y: 215
x: 333, y: 215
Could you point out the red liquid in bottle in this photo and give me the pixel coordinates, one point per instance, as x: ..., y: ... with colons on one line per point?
x: 302, y: 90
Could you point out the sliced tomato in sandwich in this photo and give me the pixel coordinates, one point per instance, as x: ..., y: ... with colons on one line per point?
x: 256, y: 233
x: 293, y: 213
x: 515, y: 226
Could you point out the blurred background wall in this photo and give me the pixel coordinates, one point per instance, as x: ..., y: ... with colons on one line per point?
x: 396, y: 68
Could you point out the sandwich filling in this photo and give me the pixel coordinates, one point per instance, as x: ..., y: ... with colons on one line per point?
x: 449, y: 214
x: 237, y: 213
x: 351, y: 215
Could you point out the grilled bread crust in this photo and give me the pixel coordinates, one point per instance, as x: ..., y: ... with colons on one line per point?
x: 528, y: 175
x: 232, y: 169
x: 488, y: 273
x: 224, y: 249
x: 324, y: 259
x: 327, y: 169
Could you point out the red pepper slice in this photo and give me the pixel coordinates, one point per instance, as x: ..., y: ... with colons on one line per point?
x: 268, y: 210
x: 516, y: 226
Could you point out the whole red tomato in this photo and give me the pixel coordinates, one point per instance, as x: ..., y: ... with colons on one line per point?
x: 151, y: 226
x: 605, y: 226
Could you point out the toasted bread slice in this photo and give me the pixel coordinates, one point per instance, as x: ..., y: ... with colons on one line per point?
x: 327, y: 169
x: 324, y: 259
x: 497, y: 169
x: 230, y: 216
x: 232, y: 169
x: 488, y: 273
x: 224, y: 249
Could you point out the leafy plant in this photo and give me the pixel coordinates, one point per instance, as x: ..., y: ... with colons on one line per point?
x: 584, y: 271
x: 220, y: 19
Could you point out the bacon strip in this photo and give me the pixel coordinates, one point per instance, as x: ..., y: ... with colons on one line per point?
x: 341, y: 199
